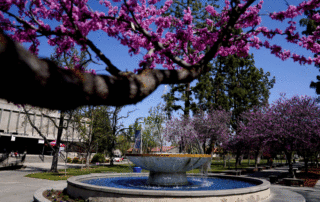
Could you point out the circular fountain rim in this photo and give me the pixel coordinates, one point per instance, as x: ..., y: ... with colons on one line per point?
x: 171, y: 155
x: 75, y: 181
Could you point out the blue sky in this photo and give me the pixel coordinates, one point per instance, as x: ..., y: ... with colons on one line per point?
x: 291, y: 77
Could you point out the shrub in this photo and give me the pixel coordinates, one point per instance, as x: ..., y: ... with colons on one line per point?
x: 98, y: 157
x: 65, y: 197
x: 75, y: 160
x: 69, y: 160
x: 83, y: 160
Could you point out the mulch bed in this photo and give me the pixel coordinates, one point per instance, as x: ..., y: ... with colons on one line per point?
x: 59, y: 196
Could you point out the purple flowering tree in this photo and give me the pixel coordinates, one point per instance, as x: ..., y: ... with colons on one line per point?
x: 200, y: 130
x: 301, y: 123
x: 254, y: 129
x: 288, y: 125
x: 67, y: 23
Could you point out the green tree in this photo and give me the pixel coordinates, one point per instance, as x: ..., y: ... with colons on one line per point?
x: 148, y: 140
x: 116, y: 129
x: 86, y: 121
x: 237, y: 86
x: 102, y: 127
x: 155, y: 122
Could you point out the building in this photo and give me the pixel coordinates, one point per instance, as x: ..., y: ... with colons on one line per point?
x: 17, y: 134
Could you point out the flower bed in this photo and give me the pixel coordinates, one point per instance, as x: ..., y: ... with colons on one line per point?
x: 59, y: 196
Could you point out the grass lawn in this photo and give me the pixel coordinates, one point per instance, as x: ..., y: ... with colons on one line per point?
x: 78, y: 171
x: 311, y: 177
x: 124, y: 168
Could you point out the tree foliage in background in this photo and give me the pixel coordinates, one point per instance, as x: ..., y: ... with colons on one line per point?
x: 155, y: 122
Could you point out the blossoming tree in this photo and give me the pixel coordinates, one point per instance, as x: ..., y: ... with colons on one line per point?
x: 42, y: 80
x: 201, y: 130
x: 254, y: 130
x: 288, y: 125
x: 295, y: 124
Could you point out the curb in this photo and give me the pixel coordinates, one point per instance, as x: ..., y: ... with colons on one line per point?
x: 277, y: 195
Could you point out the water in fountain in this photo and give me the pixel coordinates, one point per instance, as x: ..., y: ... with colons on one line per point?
x: 168, y: 172
x: 194, y: 183
x: 167, y: 179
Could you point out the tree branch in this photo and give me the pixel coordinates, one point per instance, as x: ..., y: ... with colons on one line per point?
x: 40, y: 82
x: 158, y: 45
x: 236, y: 13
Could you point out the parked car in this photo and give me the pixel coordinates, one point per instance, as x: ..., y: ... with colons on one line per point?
x: 117, y: 159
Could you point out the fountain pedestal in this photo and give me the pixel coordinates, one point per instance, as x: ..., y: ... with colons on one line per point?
x: 167, y: 179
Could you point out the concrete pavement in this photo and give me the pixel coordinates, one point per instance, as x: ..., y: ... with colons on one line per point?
x: 310, y: 194
x: 14, y: 187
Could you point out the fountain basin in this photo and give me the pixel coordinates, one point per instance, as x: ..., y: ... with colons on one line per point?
x: 168, y: 169
x: 76, y: 188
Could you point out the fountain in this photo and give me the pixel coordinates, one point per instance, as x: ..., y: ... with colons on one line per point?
x: 168, y: 181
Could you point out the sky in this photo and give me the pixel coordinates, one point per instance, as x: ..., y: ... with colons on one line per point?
x: 291, y: 77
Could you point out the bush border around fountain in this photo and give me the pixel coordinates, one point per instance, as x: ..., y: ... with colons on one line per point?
x: 76, y: 188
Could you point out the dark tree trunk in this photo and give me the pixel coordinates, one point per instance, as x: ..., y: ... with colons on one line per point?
x: 54, y: 165
x: 291, y: 173
x: 237, y: 159
x: 256, y: 154
x: 88, y: 159
x: 240, y: 159
x: 306, y: 160
x: 111, y: 154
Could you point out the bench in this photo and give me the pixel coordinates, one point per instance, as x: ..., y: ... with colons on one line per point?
x: 293, y: 181
x: 268, y: 167
x: 261, y: 168
x: 251, y: 169
x: 273, y: 178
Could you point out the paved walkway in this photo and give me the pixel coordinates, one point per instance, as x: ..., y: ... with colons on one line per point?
x: 14, y: 187
x: 310, y: 194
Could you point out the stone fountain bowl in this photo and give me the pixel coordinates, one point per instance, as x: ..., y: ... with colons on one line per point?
x: 169, y: 162
x: 168, y: 169
x: 77, y: 188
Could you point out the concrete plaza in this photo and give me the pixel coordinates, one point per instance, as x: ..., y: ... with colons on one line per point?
x: 14, y: 187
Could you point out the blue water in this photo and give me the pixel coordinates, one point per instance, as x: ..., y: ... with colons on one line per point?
x: 195, y: 183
